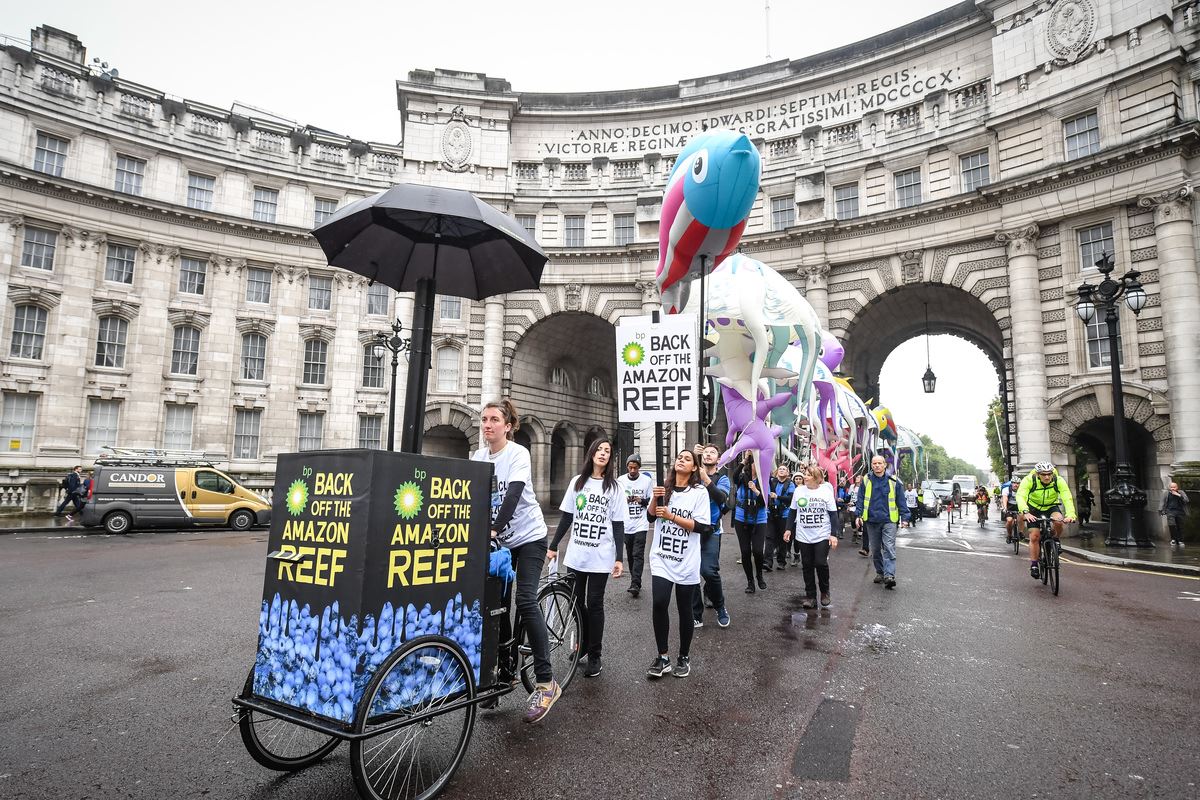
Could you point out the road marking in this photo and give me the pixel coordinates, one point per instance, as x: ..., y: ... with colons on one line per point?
x: 1193, y: 596
x: 1094, y: 565
x: 908, y: 546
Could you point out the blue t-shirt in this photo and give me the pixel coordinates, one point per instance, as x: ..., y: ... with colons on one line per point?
x: 744, y: 495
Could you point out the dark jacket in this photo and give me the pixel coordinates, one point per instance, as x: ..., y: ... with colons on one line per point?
x: 878, y: 512
x: 1174, y: 505
x: 74, y: 483
x: 781, y: 506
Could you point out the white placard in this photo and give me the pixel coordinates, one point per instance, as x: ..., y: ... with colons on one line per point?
x: 656, y: 369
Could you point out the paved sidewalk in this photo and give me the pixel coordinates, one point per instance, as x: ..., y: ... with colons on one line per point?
x: 40, y: 523
x: 1180, y: 559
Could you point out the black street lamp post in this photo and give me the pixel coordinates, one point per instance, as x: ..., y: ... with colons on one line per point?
x: 1123, y: 495
x: 384, y: 343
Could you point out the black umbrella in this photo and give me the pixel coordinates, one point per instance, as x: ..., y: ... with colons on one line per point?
x: 424, y: 239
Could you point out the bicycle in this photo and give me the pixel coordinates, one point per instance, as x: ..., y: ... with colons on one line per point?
x: 981, y: 513
x: 414, y: 721
x: 1014, y: 533
x: 1049, y: 550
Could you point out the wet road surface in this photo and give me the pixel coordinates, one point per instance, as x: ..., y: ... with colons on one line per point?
x: 969, y: 680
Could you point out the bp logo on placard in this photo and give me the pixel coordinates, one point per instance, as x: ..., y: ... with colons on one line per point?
x: 408, y: 500
x: 580, y: 501
x: 632, y: 354
x: 297, y: 498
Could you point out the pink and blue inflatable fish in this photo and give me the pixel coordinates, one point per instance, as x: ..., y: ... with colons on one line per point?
x: 705, y: 206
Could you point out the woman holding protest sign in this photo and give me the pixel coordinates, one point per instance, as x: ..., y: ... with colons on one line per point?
x: 517, y: 523
x: 594, y: 510
x: 681, y: 512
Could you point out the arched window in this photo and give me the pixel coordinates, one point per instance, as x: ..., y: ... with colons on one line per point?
x: 110, y: 342
x: 29, y: 332
x: 185, y: 350
x: 595, y: 386
x: 254, y: 357
x: 316, y: 354
x: 558, y: 377
x: 448, y: 369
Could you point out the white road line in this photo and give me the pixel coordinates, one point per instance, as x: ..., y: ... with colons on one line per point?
x: 907, y: 546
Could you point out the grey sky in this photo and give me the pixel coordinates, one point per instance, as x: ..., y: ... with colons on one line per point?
x: 335, y: 67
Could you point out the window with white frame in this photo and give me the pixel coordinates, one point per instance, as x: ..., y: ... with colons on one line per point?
x: 129, y: 174
x: 254, y: 357
x: 316, y: 354
x: 528, y: 222
x: 323, y: 209
x: 783, y: 212
x: 50, y: 155
x: 448, y: 359
x: 200, y: 191
x: 624, y: 229
x: 558, y: 377
x: 908, y: 187
x: 266, y: 204
x: 378, y: 298
x: 974, y: 169
x: 18, y: 421
x: 1082, y: 135
x: 320, y: 292
x: 595, y: 386
x: 372, y: 368
x: 312, y: 431
x: 573, y: 226
x: 103, y: 419
x: 29, y: 332
x: 246, y: 425
x: 1097, y: 342
x: 177, y: 427
x: 110, y: 342
x: 118, y: 264
x: 185, y: 350
x: 38, y: 249
x: 845, y: 201
x: 1094, y: 242
x: 450, y: 309
x: 370, y: 431
x: 192, y: 273
x: 258, y: 285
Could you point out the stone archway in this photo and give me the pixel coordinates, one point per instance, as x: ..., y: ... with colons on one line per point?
x: 451, y: 431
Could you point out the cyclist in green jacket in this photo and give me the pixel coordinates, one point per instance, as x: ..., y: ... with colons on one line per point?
x: 1043, y: 492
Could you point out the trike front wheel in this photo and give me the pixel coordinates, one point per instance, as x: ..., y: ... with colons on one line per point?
x: 278, y: 744
x: 430, y: 682
x: 564, y: 623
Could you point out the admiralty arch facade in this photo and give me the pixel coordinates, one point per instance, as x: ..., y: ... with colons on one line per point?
x: 161, y: 288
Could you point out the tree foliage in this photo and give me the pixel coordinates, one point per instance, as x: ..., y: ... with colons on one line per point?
x: 943, y: 466
x: 995, y: 416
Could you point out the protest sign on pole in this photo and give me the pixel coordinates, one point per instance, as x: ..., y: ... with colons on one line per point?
x: 657, y: 367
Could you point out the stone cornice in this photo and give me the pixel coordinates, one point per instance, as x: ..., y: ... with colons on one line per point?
x: 115, y: 306
x: 34, y: 295
x: 188, y: 316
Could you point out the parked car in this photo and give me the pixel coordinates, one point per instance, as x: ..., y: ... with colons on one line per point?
x: 153, y: 488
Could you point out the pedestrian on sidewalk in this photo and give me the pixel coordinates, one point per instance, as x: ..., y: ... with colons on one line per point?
x: 882, y: 511
x: 910, y: 499
x: 717, y: 487
x: 681, y: 511
x: 1174, y: 508
x: 72, y: 484
x: 593, y: 510
x: 637, y: 486
x: 779, y: 504
x: 750, y: 521
x: 812, y: 523
x: 1085, y: 500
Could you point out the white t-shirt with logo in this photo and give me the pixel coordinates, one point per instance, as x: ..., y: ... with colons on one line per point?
x: 512, y: 464
x: 592, y: 547
x: 675, y: 553
x: 812, y: 507
x: 636, y: 490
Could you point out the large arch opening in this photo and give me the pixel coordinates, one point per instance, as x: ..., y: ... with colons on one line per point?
x: 446, y: 441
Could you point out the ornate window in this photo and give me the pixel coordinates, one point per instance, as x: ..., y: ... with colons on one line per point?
x: 118, y: 264
x: 316, y: 355
x: 372, y: 368
x: 448, y: 369
x: 192, y: 272
x: 254, y: 357
x: 110, y: 342
x: 18, y: 420
x: 129, y: 174
x: 177, y: 427
x: 246, y: 424
x: 50, y: 155
x: 558, y: 377
x: 200, y: 191
x: 185, y: 350
x: 29, y: 332
x: 595, y: 386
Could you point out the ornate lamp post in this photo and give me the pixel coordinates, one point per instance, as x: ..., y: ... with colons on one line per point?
x: 384, y: 343
x: 928, y: 380
x: 1123, y: 495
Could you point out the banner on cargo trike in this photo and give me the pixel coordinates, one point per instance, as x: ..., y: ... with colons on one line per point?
x: 368, y: 549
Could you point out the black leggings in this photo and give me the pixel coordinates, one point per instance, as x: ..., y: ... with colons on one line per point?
x: 750, y: 538
x: 684, y: 594
x: 775, y: 547
x: 815, y: 558
x: 589, y: 598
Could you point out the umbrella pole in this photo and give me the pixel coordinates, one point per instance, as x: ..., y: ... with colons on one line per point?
x: 418, y: 373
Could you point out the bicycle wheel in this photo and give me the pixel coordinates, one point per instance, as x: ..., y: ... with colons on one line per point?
x: 278, y: 744
x: 1044, y: 558
x: 1052, y: 567
x: 1016, y: 540
x: 417, y: 760
x: 565, y: 625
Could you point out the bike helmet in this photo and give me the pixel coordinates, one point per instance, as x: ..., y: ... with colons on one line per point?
x: 1043, y: 466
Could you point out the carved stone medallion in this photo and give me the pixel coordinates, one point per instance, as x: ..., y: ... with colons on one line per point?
x: 456, y: 142
x: 1070, y: 28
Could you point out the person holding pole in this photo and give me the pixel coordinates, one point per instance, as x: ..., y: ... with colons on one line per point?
x: 517, y: 524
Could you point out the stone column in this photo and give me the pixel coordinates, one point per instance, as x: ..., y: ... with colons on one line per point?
x: 1179, y: 294
x: 493, y: 349
x: 816, y: 290
x: 1029, y: 366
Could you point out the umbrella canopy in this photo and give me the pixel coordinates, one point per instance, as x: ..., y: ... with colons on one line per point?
x: 409, y: 232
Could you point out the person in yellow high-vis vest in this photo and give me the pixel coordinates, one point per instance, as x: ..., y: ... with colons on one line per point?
x: 882, y: 510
